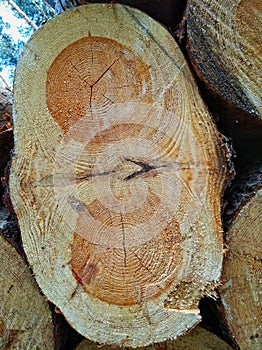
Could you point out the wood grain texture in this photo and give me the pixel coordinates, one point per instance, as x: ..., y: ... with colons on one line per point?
x: 198, y: 338
x: 167, y: 12
x: 25, y: 317
x: 117, y: 185
x: 224, y: 39
x: 242, y: 276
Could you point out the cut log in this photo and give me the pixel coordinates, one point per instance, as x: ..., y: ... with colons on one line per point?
x: 224, y: 39
x: 242, y: 276
x: 25, y: 317
x: 117, y: 184
x: 198, y: 338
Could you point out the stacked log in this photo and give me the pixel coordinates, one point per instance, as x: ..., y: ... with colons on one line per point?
x: 117, y: 187
x: 118, y: 177
x: 242, y: 275
x: 25, y: 317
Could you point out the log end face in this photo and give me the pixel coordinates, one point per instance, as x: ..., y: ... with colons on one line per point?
x: 116, y: 201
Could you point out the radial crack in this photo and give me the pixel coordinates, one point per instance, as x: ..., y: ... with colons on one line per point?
x: 65, y: 179
x: 79, y: 74
x: 101, y: 76
x: 124, y: 239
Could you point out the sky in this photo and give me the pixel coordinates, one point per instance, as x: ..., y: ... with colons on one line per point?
x: 7, y: 15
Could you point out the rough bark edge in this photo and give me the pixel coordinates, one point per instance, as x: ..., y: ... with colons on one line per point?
x: 241, y: 192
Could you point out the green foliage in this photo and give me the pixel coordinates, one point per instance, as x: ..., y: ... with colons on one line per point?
x: 9, y: 50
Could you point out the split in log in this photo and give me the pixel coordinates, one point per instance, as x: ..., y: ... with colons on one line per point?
x: 198, y: 339
x: 25, y: 317
x: 117, y: 185
x: 242, y: 276
x: 224, y: 39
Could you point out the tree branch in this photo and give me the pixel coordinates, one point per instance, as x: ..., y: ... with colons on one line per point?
x: 22, y: 14
x: 39, y: 9
x: 49, y: 6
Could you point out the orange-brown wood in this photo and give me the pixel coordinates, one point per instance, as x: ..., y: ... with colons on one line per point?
x: 117, y: 186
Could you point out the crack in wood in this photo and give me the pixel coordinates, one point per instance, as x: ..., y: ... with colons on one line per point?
x: 101, y: 76
x: 62, y: 179
x: 65, y: 179
x: 104, y: 73
x: 124, y: 239
x: 145, y: 168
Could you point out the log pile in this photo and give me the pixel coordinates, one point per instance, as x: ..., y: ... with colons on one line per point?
x: 198, y: 338
x: 118, y: 176
x: 242, y: 275
x: 25, y: 317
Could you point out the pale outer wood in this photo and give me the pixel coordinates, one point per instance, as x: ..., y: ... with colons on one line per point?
x: 225, y: 44
x: 47, y: 231
x: 25, y: 317
x: 242, y: 276
x: 197, y: 339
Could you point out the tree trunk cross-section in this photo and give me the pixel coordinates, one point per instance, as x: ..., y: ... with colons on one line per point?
x: 117, y: 184
x: 25, y: 317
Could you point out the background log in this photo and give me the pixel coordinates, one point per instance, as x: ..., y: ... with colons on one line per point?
x: 8, y: 225
x: 224, y: 42
x: 6, y: 129
x: 223, y: 46
x: 25, y: 317
x: 117, y: 187
x: 198, y: 338
x: 242, y: 276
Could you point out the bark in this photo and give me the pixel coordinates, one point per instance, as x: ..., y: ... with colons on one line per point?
x: 198, y: 338
x: 225, y: 51
x: 117, y: 186
x: 25, y: 317
x: 242, y: 273
x: 242, y: 189
x: 5, y: 110
x: 6, y: 131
